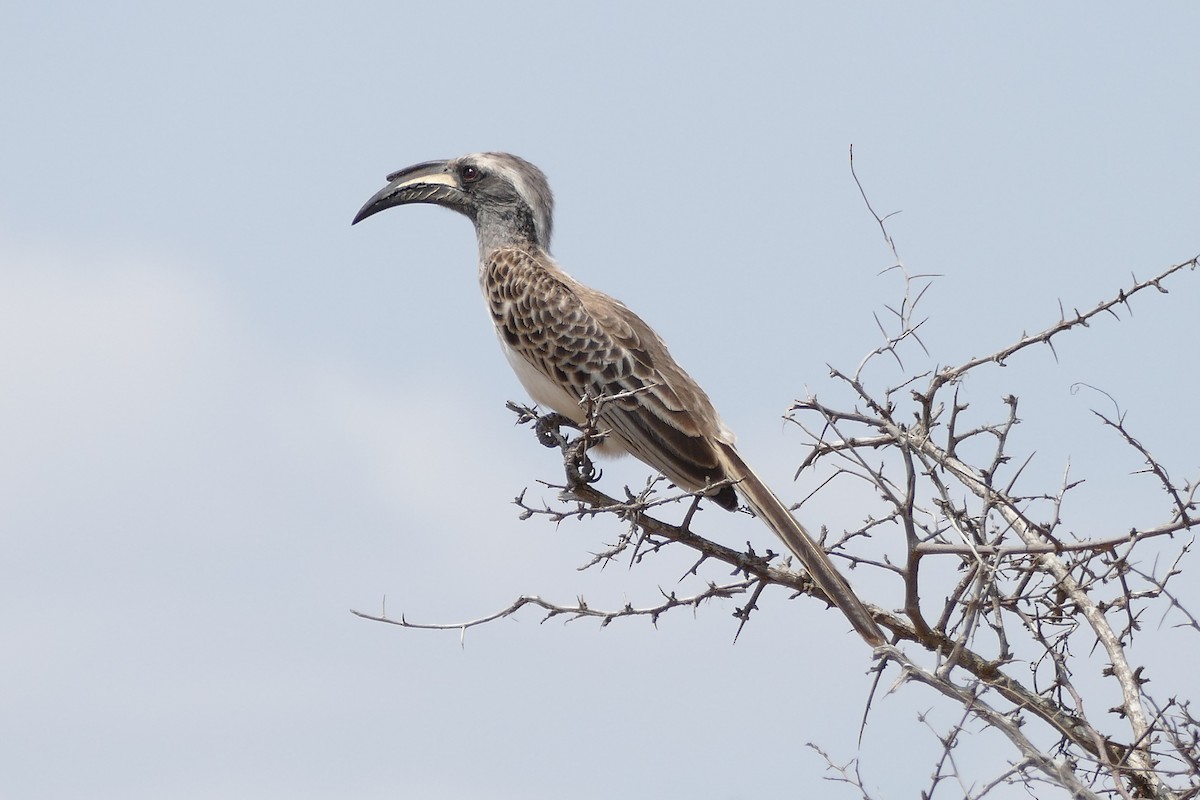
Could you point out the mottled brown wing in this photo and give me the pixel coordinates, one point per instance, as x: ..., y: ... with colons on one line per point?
x: 588, y: 343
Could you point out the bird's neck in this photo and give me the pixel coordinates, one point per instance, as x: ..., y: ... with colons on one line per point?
x: 506, y: 227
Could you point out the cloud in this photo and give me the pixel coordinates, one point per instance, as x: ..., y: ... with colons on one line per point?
x: 122, y: 369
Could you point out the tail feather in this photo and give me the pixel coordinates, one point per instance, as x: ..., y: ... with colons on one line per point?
x: 771, y: 510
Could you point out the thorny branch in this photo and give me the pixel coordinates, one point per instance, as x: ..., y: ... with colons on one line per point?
x: 1018, y: 567
x: 580, y: 610
x: 1064, y: 324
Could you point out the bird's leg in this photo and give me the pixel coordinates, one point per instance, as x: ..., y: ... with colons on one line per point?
x: 580, y: 469
x: 547, y: 428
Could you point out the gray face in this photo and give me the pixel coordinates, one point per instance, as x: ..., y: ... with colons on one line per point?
x: 505, y: 181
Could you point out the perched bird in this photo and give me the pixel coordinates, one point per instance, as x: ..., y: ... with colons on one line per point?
x: 565, y: 341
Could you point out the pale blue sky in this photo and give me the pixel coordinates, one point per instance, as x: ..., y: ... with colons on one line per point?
x: 227, y: 417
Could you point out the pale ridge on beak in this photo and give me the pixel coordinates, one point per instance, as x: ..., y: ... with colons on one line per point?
x: 428, y: 182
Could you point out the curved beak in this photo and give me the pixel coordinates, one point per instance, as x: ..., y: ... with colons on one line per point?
x: 430, y: 182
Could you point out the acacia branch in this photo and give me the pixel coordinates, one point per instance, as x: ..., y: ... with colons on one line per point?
x: 1064, y: 324
x: 1059, y: 771
x: 580, y: 610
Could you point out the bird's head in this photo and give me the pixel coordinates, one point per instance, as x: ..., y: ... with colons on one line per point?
x: 506, y: 197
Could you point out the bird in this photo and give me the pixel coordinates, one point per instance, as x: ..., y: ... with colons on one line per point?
x: 567, y: 341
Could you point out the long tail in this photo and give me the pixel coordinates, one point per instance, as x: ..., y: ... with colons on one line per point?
x: 771, y: 510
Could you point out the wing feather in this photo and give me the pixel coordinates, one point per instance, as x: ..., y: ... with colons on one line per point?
x: 582, y: 342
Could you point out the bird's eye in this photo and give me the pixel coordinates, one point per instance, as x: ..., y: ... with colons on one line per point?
x: 470, y: 174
